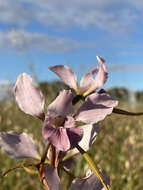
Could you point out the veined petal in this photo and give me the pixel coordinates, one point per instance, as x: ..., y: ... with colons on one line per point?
x: 95, y: 108
x: 52, y: 178
x: 62, y: 105
x: 90, y: 182
x: 18, y: 145
x: 102, y: 75
x: 57, y: 136
x: 29, y: 98
x: 87, y: 81
x: 66, y: 75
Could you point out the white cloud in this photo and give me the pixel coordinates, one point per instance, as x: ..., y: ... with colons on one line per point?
x: 137, y: 3
x: 13, y: 12
x: 22, y: 40
x: 125, y: 67
x: 110, y: 15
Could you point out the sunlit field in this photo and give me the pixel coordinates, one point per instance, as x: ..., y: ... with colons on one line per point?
x: 117, y: 150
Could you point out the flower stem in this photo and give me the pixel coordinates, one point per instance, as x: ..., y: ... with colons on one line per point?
x: 45, y: 154
x: 93, y: 166
x: 124, y: 112
x: 17, y: 167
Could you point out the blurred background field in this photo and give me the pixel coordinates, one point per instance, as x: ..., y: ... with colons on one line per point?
x: 118, y: 148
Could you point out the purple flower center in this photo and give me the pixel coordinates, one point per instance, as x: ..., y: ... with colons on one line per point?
x: 59, y: 121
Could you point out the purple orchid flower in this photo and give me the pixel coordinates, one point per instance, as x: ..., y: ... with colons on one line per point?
x: 60, y: 122
x: 59, y: 125
x: 87, y: 84
x: 59, y: 128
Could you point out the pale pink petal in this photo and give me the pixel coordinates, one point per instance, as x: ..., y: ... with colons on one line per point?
x: 62, y: 105
x: 29, y: 98
x: 57, y: 136
x: 90, y: 182
x: 95, y: 108
x: 52, y: 178
x: 66, y: 75
x: 75, y: 135
x: 18, y: 145
x: 87, y: 81
x: 102, y: 75
x: 90, y: 133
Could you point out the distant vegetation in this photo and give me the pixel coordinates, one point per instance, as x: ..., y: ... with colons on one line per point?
x: 53, y: 88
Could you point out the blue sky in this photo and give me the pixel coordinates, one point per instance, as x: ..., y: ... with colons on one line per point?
x: 45, y: 32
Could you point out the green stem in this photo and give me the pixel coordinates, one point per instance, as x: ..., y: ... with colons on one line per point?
x: 124, y: 112
x: 17, y: 167
x: 92, y: 166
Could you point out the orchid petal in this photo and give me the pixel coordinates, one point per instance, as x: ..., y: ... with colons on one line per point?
x: 90, y: 182
x: 52, y: 178
x: 87, y: 81
x: 62, y: 105
x: 75, y: 135
x: 102, y: 75
x: 57, y: 136
x: 18, y: 145
x: 90, y: 133
x: 66, y: 75
x: 95, y: 108
x: 29, y: 98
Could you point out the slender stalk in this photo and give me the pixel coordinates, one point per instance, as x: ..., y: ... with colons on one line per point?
x: 124, y: 112
x: 17, y: 167
x: 28, y: 170
x: 45, y: 154
x: 93, y: 166
x: 52, y: 155
x: 57, y: 160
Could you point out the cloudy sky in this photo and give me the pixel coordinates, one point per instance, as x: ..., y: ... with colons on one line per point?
x: 44, y: 32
